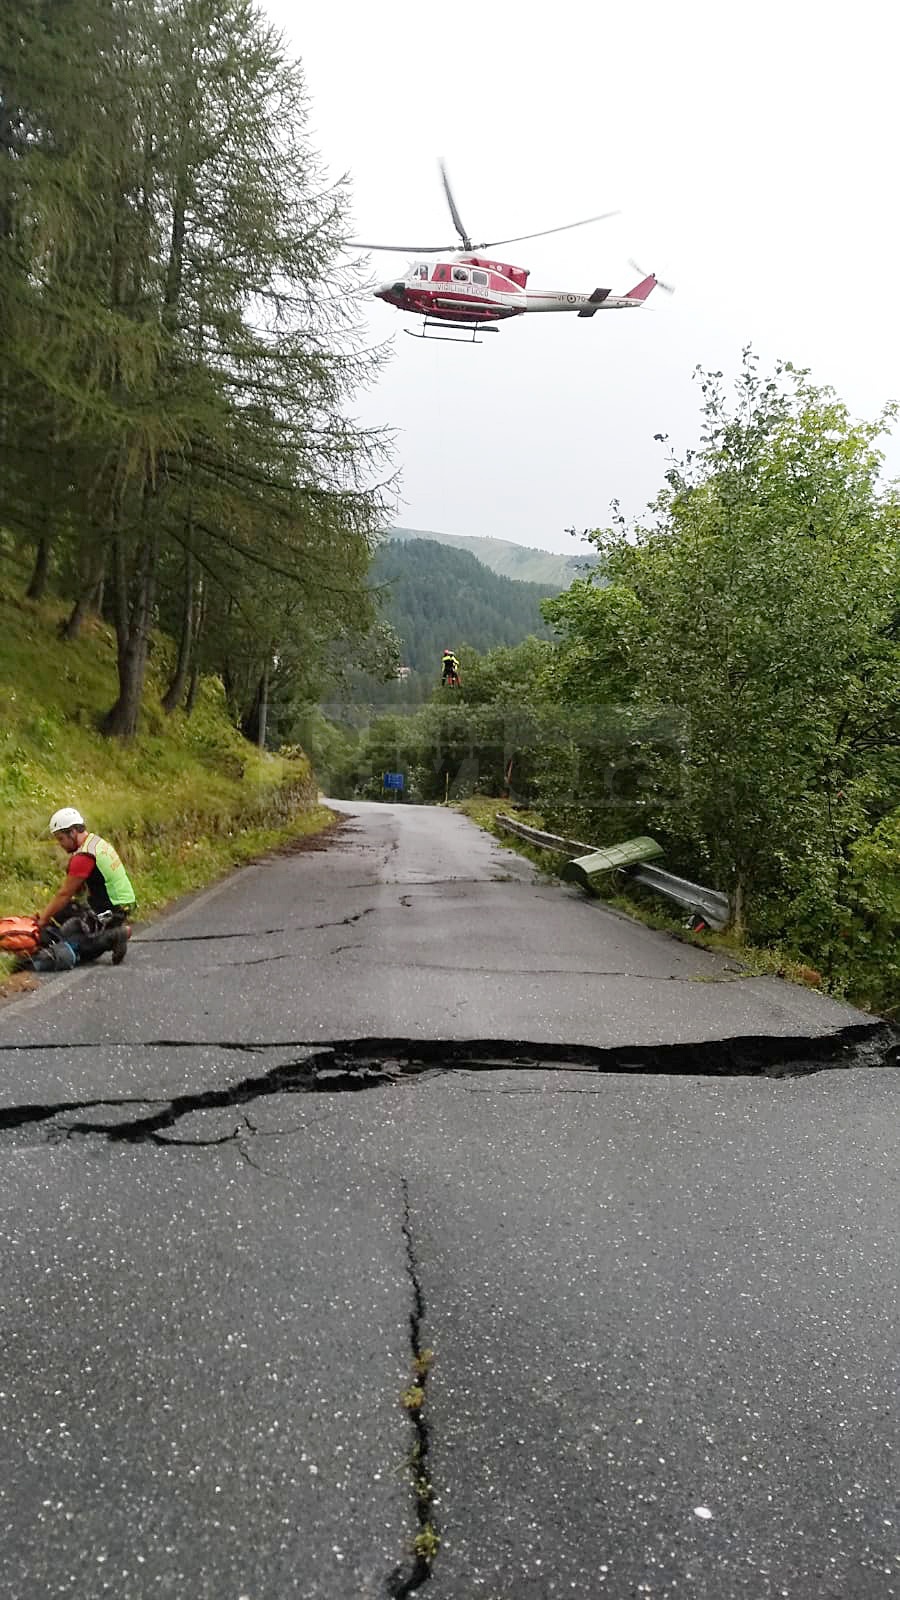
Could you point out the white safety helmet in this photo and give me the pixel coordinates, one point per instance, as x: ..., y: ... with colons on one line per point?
x: 67, y: 818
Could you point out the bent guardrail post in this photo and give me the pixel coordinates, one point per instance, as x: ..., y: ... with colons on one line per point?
x: 585, y: 869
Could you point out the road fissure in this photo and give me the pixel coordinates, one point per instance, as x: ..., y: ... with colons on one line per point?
x: 351, y: 1066
x: 412, y: 1574
x: 255, y: 933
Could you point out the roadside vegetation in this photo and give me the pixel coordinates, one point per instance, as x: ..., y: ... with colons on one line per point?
x: 184, y: 801
x: 728, y: 681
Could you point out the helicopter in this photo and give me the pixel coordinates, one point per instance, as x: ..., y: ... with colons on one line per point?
x: 471, y: 290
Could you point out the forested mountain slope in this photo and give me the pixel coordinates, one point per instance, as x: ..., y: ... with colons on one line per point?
x: 440, y: 597
x: 511, y: 560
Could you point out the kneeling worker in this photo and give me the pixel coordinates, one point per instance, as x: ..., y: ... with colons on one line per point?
x: 70, y: 933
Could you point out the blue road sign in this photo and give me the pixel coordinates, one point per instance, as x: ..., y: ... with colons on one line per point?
x: 393, y: 780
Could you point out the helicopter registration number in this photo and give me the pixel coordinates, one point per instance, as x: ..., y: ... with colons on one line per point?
x: 463, y: 288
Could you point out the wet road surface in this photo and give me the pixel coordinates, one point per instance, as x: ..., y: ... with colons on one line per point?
x: 247, y: 1178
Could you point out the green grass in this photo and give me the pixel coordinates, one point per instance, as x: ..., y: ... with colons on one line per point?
x: 184, y: 802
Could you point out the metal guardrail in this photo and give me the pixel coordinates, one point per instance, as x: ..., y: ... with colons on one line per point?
x: 544, y: 841
x: 694, y: 897
x: 707, y: 903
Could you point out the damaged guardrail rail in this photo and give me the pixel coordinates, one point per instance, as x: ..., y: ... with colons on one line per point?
x: 700, y: 901
x: 631, y: 859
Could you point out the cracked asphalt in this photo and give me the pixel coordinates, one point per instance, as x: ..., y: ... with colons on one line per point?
x: 398, y: 1094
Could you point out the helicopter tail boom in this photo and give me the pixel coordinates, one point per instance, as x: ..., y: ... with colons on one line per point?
x: 587, y: 305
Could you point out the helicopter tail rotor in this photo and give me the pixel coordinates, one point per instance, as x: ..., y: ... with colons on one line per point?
x: 668, y: 288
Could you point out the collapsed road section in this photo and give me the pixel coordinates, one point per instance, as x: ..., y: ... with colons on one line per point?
x: 354, y: 1065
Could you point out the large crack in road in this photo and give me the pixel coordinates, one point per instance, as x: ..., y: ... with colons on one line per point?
x: 353, y: 1065
x: 410, y: 1575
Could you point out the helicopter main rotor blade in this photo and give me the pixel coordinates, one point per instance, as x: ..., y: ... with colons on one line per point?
x: 406, y: 249
x: 454, y: 212
x: 486, y: 244
x: 489, y: 244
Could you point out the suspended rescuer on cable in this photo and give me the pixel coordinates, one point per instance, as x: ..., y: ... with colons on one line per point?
x: 450, y: 669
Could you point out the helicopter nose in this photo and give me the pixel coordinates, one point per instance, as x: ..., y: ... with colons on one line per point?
x: 391, y: 291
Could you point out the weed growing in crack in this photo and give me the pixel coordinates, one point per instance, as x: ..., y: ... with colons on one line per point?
x: 423, y: 1363
x: 424, y: 1491
x: 413, y: 1398
x: 427, y: 1543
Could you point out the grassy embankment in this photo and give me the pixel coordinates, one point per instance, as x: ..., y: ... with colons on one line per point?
x: 184, y: 802
x: 644, y: 907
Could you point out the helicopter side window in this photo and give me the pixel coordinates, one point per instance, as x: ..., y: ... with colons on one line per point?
x: 421, y: 270
x: 441, y: 274
x: 460, y: 274
x: 479, y: 277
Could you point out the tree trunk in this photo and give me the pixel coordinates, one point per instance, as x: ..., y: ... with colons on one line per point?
x: 133, y: 635
x: 193, y: 686
x: 10, y: 145
x: 736, y: 909
x: 172, y: 697
x: 121, y: 720
x: 90, y: 597
x: 37, y: 588
x: 199, y: 626
x: 174, y: 270
x: 254, y: 724
x: 263, y: 708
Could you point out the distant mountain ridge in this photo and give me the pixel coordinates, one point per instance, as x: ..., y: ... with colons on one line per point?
x: 507, y: 559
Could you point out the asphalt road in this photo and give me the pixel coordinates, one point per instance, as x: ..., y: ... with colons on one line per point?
x: 246, y: 1178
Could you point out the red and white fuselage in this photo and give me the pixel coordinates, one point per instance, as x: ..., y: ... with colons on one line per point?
x: 472, y: 289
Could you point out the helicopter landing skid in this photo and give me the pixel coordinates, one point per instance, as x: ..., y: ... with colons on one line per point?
x: 439, y: 331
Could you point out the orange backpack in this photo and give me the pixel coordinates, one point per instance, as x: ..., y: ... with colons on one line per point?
x: 19, y: 935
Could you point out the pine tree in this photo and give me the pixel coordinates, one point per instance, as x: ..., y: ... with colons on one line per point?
x: 180, y: 341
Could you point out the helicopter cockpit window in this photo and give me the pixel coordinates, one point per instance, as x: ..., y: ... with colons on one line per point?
x: 479, y: 277
x: 421, y: 270
x: 460, y: 274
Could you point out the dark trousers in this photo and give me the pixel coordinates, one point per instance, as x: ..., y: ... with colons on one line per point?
x: 84, y: 930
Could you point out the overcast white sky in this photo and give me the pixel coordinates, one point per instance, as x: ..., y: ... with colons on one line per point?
x: 753, y: 152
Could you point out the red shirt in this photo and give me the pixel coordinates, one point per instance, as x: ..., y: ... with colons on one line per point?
x: 83, y: 866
